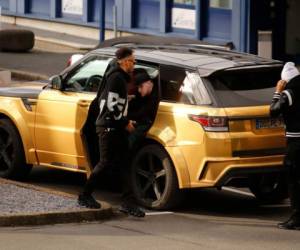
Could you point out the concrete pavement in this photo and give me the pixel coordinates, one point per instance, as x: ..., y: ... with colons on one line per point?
x: 48, y: 57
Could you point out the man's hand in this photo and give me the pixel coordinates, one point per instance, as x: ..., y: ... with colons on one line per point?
x: 280, y: 86
x: 130, y: 126
x: 130, y: 97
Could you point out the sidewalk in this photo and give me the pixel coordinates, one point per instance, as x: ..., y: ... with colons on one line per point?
x: 22, y: 204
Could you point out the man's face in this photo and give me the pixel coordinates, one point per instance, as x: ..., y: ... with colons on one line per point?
x: 128, y: 63
x: 145, y: 88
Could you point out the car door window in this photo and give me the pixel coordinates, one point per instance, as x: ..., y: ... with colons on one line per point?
x: 182, y: 86
x: 87, y: 75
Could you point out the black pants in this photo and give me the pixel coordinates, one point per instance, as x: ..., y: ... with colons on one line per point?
x: 113, y: 149
x: 292, y: 162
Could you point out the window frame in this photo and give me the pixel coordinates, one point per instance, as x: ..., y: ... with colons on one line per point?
x: 184, y: 69
x: 68, y: 75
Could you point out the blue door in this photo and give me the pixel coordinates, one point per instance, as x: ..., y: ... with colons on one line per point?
x: 108, y: 12
x: 147, y: 14
x: 4, y: 4
x: 39, y: 7
x: 219, y: 19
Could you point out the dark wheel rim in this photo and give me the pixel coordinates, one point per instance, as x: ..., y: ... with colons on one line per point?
x: 6, y: 150
x: 150, y: 177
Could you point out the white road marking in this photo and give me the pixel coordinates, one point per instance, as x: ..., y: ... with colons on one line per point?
x: 159, y: 213
x: 238, y: 191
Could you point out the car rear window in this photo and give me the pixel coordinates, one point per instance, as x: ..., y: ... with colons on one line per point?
x: 238, y: 88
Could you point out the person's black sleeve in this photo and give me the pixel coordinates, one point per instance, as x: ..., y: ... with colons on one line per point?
x: 281, y: 102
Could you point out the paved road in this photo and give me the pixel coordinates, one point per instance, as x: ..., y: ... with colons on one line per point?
x: 45, y: 59
x: 208, y: 219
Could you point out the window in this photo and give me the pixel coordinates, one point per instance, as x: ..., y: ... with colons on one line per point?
x: 152, y: 71
x: 193, y: 90
x: 183, y: 86
x: 87, y: 75
x: 236, y: 88
x: 222, y: 4
x: 183, y: 16
x: 71, y: 9
x: 186, y: 2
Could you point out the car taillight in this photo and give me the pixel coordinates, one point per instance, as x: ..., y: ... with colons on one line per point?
x: 211, y: 123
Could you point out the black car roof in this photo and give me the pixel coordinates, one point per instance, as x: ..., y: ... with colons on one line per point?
x: 207, y: 59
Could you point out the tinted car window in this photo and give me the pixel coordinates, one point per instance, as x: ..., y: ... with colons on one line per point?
x: 245, y: 87
x: 182, y: 86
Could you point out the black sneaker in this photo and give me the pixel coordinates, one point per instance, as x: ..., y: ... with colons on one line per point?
x: 291, y: 224
x: 88, y: 201
x: 132, y: 210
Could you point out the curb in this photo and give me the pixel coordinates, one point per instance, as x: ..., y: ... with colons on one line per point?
x: 65, y: 43
x: 66, y: 216
x: 24, y: 75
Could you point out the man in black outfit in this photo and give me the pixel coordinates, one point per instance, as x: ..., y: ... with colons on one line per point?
x: 113, y: 127
x: 142, y: 107
x: 286, y: 102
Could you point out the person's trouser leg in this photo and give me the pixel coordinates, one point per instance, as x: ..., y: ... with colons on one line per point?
x: 136, y: 137
x: 128, y: 205
x: 104, y: 161
x: 124, y: 164
x: 293, y: 164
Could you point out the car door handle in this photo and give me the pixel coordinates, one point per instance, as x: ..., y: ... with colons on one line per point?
x: 83, y: 103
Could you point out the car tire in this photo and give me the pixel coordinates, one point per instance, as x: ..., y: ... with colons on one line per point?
x: 12, y: 158
x: 269, y: 188
x: 14, y: 40
x: 154, y: 179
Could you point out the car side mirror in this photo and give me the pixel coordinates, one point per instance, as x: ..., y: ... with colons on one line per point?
x: 56, y: 82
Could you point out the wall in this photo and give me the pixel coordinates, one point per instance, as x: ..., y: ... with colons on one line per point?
x: 214, y: 25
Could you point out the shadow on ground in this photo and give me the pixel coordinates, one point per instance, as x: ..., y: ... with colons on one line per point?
x: 210, y: 202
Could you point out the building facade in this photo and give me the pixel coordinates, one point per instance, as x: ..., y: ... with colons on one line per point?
x: 249, y: 25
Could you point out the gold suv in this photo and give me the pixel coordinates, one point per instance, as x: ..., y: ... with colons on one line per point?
x: 212, y: 127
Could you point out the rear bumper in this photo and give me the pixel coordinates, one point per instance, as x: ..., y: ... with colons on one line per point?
x: 219, y: 172
x: 244, y: 173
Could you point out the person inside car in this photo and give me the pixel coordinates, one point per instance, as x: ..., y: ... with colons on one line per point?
x: 142, y: 107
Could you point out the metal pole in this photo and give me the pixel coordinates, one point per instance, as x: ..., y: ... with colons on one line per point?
x: 115, y: 20
x: 102, y: 21
x: 0, y: 17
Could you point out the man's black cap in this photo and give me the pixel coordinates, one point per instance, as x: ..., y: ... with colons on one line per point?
x: 141, y: 76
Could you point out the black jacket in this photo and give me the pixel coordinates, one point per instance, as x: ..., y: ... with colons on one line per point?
x: 112, y: 99
x: 287, y: 104
x: 143, y: 109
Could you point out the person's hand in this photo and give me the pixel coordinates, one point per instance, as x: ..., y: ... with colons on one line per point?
x: 280, y: 86
x: 130, y: 97
x: 130, y: 126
